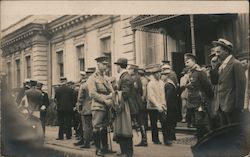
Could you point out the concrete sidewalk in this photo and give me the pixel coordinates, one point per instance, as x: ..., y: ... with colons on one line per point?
x: 180, y: 148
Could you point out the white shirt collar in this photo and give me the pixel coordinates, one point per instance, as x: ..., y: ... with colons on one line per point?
x: 224, y: 63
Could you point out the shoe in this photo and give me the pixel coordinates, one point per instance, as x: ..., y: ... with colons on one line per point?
x: 183, y: 121
x: 157, y: 142
x: 120, y: 154
x: 85, y: 146
x: 142, y: 144
x: 59, y: 139
x: 81, y: 142
x: 108, y: 151
x: 190, y: 126
x: 168, y: 143
x: 98, y: 152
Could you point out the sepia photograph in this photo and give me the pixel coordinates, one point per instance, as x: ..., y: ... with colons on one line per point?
x: 124, y: 78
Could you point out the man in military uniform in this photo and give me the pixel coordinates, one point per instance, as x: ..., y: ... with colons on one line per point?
x: 44, y: 104
x: 64, y: 98
x: 200, y: 92
x: 137, y: 84
x: 84, y: 107
x: 100, y: 91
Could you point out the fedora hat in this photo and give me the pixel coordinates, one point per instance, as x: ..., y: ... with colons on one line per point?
x: 224, y: 43
x: 122, y: 61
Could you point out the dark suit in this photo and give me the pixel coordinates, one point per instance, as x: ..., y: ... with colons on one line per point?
x: 45, y: 102
x: 65, y: 98
x: 122, y: 125
x: 230, y: 92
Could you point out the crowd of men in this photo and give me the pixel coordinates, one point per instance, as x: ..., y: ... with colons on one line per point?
x: 206, y: 98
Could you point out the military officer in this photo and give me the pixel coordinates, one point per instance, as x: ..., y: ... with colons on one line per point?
x: 199, y: 94
x: 100, y: 91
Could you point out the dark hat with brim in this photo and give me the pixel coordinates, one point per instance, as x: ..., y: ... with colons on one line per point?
x: 90, y: 70
x: 33, y: 83
x: 133, y: 66
x: 39, y: 84
x: 153, y: 69
x: 224, y: 43
x: 141, y: 71
x: 102, y: 59
x: 191, y: 56
x: 122, y: 61
x: 165, y: 61
x: 63, y: 78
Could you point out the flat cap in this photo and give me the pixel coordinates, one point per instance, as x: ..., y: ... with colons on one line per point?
x: 133, y: 66
x: 82, y: 73
x: 153, y: 68
x: 122, y: 61
x: 224, y: 43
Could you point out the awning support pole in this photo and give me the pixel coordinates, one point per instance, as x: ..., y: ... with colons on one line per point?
x: 192, y: 34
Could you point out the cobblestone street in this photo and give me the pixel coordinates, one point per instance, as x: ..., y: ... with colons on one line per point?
x: 180, y: 148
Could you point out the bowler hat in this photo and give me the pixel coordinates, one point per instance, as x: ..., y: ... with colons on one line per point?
x: 63, y: 78
x: 122, y: 61
x: 102, y: 59
x: 190, y: 55
x: 33, y: 83
x: 224, y: 43
x: 153, y: 68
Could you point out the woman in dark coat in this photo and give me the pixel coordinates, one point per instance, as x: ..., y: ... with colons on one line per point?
x: 172, y: 111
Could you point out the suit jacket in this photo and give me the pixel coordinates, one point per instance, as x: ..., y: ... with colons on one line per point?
x: 65, y: 98
x: 126, y: 85
x: 231, y: 86
x: 45, y: 99
x: 137, y: 91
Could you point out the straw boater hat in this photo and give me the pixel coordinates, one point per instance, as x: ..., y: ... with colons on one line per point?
x: 224, y: 43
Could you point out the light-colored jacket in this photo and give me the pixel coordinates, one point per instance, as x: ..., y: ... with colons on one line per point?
x: 155, y: 94
x: 100, y: 89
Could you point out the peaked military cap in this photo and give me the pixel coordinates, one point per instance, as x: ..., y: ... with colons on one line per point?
x: 102, y: 59
x: 191, y: 56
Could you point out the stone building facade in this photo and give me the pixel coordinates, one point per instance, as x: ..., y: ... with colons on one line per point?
x: 46, y: 48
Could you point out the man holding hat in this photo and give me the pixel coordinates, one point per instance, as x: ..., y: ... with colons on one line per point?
x: 231, y: 83
x: 122, y: 123
x: 44, y: 105
x: 100, y: 91
x: 199, y: 93
x: 156, y: 102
